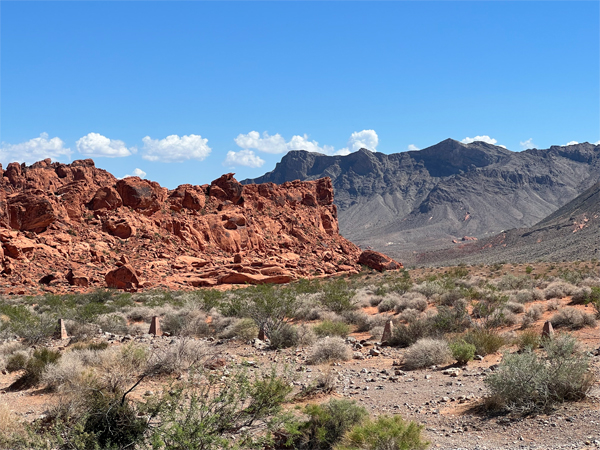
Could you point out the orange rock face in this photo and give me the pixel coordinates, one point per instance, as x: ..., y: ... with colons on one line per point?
x: 79, y: 228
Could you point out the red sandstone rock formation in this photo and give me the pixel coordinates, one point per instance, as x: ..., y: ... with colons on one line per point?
x: 77, y: 227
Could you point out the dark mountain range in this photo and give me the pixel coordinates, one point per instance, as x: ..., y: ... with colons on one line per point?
x: 409, y: 202
x: 570, y: 233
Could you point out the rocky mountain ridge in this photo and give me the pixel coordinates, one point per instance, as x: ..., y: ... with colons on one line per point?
x: 406, y: 202
x: 74, y: 226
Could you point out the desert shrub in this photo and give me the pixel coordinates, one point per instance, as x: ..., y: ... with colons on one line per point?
x: 20, y: 320
x: 67, y: 370
x: 406, y: 335
x: 78, y: 331
x: 17, y: 360
x: 212, y: 412
x: 573, y: 319
x: 450, y: 320
x: 34, y: 368
x: 376, y: 332
x: 581, y: 295
x: 186, y: 322
x: 112, y: 323
x: 429, y: 288
x: 324, y: 383
x: 462, y: 352
x: 329, y: 349
x: 329, y: 328
x: 553, y: 305
x: 306, y: 335
x: 535, y: 312
x: 375, y: 300
x: 363, y: 321
x: 338, y: 296
x: 243, y: 329
x: 527, y: 295
x: 427, y: 352
x: 384, y: 433
x: 7, y: 350
x: 528, y: 382
x: 327, y: 423
x: 500, y: 318
x: 510, y: 282
x: 411, y: 300
x: 528, y: 340
x: 485, y: 341
x: 176, y: 358
x: 451, y: 297
x: 284, y: 336
x: 388, y: 303
x: 558, y: 289
x: 119, y: 367
x: 516, y: 308
x: 270, y: 307
x: 409, y: 315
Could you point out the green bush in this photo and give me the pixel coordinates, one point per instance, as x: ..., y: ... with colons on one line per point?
x: 34, y: 368
x: 327, y: 423
x: 331, y: 328
x: 462, y: 351
x: 485, y: 341
x: 384, y: 433
x: 406, y: 335
x: 208, y: 411
x: 527, y: 382
x: 529, y: 340
x: 337, y: 296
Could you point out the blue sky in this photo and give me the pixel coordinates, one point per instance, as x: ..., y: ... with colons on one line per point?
x: 186, y: 91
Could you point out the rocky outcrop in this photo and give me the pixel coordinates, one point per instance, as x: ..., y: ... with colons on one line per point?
x: 75, y: 227
x: 378, y: 261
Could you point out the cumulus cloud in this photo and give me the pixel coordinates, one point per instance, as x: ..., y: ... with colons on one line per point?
x: 96, y: 145
x: 571, y: 143
x: 175, y: 149
x: 243, y: 158
x: 486, y: 139
x: 277, y: 144
x: 34, y: 150
x: 597, y: 143
x: 527, y: 144
x: 136, y: 173
x: 413, y: 147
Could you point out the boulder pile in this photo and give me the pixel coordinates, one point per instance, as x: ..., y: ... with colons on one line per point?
x: 74, y: 227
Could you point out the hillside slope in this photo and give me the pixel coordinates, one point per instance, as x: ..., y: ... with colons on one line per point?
x: 571, y: 233
x: 410, y: 201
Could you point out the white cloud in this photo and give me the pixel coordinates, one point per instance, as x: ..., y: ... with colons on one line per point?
x: 527, y: 144
x: 597, y: 143
x: 175, y: 149
x: 486, y: 139
x: 136, y: 173
x: 96, y: 145
x: 413, y: 147
x: 244, y: 157
x: 34, y: 150
x: 363, y: 139
x: 276, y: 143
x: 571, y: 143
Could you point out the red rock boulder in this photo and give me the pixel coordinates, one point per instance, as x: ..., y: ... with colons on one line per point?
x: 378, y: 261
x: 30, y: 211
x: 141, y: 195
x: 105, y: 198
x: 229, y: 189
x: 123, y: 277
